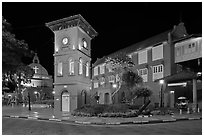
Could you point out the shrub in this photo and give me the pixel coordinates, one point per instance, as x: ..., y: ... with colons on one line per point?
x: 114, y: 110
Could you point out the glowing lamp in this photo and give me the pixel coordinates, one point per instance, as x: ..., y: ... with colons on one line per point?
x: 161, y: 81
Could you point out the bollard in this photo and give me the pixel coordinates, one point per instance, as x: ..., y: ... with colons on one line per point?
x: 180, y: 111
x: 188, y: 110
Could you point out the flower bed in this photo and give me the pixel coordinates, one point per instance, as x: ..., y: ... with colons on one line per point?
x: 99, y: 110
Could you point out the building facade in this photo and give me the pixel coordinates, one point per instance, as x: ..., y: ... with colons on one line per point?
x: 155, y: 58
x: 72, y: 57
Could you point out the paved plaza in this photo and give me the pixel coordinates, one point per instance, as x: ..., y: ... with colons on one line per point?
x: 48, y: 114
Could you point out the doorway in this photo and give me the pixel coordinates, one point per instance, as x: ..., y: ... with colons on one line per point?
x: 106, y: 98
x: 65, y: 102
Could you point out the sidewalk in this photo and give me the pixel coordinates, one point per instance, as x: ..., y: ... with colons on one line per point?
x: 48, y: 114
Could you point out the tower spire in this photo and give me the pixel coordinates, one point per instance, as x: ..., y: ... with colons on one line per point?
x: 36, y: 59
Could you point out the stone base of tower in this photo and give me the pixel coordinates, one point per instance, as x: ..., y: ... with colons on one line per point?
x: 70, y: 97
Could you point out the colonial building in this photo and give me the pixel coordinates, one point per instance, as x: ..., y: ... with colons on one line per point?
x: 72, y: 57
x: 156, y: 58
x: 161, y: 57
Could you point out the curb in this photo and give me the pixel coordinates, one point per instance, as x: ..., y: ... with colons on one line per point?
x: 103, y: 123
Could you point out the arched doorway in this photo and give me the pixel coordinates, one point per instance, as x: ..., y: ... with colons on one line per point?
x: 65, y: 101
x: 106, y: 98
x: 83, y: 95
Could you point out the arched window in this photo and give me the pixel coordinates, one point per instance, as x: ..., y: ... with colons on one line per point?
x: 59, y: 69
x: 71, y: 66
x: 80, y: 66
x: 83, y: 94
x: 87, y: 69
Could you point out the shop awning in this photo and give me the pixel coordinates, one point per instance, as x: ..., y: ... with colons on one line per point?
x: 179, y: 77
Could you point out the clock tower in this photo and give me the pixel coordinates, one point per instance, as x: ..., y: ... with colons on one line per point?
x: 72, y: 58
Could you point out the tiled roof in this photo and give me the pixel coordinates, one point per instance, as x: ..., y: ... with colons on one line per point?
x: 137, y: 46
x: 178, y: 32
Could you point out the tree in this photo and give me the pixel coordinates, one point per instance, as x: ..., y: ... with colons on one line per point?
x: 130, y: 81
x: 119, y: 63
x: 139, y: 92
x: 14, y: 71
x: 13, y: 50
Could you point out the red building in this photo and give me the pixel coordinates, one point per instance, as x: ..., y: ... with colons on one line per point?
x: 155, y: 58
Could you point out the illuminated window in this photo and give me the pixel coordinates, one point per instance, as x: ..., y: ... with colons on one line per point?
x: 85, y: 45
x: 80, y: 66
x: 95, y: 84
x: 158, y: 72
x: 96, y: 71
x: 87, y: 69
x: 142, y: 57
x: 59, y: 69
x: 71, y: 66
x: 117, y: 77
x: 111, y: 79
x: 144, y: 74
x: 102, y: 69
x: 102, y: 81
x: 157, y: 52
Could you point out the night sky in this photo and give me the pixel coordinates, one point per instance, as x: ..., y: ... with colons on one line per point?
x: 119, y: 24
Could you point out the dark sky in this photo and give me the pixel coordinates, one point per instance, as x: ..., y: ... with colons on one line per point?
x: 119, y: 24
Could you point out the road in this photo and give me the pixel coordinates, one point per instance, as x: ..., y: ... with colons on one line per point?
x: 32, y: 127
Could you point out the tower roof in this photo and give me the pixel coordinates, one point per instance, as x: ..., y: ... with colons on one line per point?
x: 72, y: 21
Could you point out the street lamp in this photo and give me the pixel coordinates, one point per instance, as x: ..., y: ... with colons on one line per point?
x: 161, y: 82
x: 36, y: 95
x: 114, y: 85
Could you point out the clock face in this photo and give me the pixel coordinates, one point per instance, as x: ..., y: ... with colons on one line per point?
x: 65, y: 41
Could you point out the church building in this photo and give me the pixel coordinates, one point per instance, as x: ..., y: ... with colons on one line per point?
x: 41, y: 78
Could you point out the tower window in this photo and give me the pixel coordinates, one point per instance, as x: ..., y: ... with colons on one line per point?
x: 87, y: 69
x: 80, y: 66
x: 85, y: 45
x: 59, y: 69
x: 71, y: 66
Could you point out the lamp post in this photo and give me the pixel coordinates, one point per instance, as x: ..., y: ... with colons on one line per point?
x: 161, y: 82
x: 115, y: 88
x: 29, y: 108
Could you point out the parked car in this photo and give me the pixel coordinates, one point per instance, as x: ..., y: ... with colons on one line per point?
x: 182, y: 103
